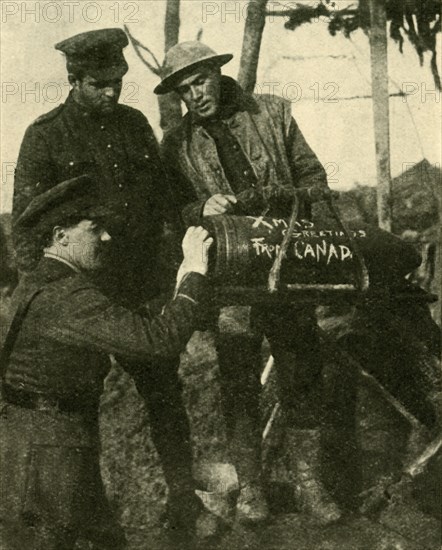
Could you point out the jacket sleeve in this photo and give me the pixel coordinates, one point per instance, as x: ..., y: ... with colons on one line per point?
x: 163, y: 199
x: 91, y: 320
x: 184, y: 195
x: 32, y: 176
x: 305, y: 167
x: 192, y: 213
x: 185, y: 198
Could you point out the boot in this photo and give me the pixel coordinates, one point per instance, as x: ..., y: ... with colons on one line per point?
x: 245, y: 446
x: 311, y: 494
x: 189, y: 524
x: 251, y: 506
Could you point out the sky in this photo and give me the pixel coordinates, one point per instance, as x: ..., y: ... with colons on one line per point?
x: 327, y: 79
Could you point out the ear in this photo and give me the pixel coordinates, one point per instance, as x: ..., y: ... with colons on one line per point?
x: 60, y: 236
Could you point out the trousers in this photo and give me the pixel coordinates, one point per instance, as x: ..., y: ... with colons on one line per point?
x: 51, y: 488
x: 135, y: 275
x: 161, y: 389
x: 292, y: 333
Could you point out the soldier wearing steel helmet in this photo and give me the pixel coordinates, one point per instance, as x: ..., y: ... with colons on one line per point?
x: 239, y: 153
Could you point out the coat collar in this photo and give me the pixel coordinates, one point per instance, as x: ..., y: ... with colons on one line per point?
x: 79, y: 111
x: 51, y: 269
x: 75, y: 108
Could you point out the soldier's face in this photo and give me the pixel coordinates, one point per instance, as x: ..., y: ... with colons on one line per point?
x: 201, y: 92
x: 96, y: 95
x: 86, y: 244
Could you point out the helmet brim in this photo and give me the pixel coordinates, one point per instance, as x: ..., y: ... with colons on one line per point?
x: 168, y: 84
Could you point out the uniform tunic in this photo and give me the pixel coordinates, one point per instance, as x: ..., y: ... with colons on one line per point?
x: 119, y: 149
x: 50, y: 473
x: 270, y: 144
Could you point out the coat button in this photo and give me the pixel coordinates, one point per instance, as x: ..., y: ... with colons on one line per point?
x: 146, y: 156
x: 102, y: 127
x: 120, y: 185
x: 126, y: 205
x: 71, y: 163
x: 115, y: 165
x: 109, y: 146
x: 246, y: 172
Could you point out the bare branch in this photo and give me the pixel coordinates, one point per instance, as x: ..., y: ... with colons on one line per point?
x: 137, y: 45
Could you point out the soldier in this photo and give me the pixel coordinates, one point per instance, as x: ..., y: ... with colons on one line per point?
x: 54, y: 362
x: 91, y: 133
x: 236, y: 153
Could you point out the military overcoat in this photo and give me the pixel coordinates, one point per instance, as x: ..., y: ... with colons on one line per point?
x: 269, y: 137
x: 49, y: 455
x: 120, y: 149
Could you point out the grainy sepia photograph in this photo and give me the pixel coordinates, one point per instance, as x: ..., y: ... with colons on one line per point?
x: 220, y: 275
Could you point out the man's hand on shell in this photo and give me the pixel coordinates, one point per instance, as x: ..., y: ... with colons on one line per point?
x: 219, y: 204
x: 195, y: 245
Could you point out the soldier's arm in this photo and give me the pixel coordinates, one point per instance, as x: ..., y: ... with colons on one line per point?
x: 305, y: 167
x: 92, y: 320
x: 163, y: 197
x: 33, y: 175
x: 191, y: 207
x: 184, y: 195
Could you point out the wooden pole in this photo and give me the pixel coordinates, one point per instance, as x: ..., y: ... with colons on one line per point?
x: 253, y: 30
x: 170, y: 104
x: 381, y: 114
x: 171, y: 24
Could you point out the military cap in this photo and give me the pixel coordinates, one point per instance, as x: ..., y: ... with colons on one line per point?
x: 183, y: 58
x: 96, y: 53
x: 74, y: 198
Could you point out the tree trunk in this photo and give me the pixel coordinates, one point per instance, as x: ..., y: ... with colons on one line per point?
x: 170, y: 104
x: 381, y: 115
x: 254, y: 28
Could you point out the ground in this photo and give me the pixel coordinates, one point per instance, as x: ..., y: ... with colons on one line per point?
x: 137, y: 490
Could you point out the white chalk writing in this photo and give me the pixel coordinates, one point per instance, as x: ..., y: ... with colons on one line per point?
x: 273, y: 223
x: 303, y: 228
x: 261, y: 247
x: 309, y: 241
x: 318, y: 251
x: 322, y: 251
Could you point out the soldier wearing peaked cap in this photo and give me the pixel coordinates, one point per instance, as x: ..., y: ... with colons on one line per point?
x: 54, y: 361
x: 92, y: 134
x: 98, y: 53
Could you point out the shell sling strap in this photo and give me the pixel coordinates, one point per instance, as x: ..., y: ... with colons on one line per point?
x: 13, y: 331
